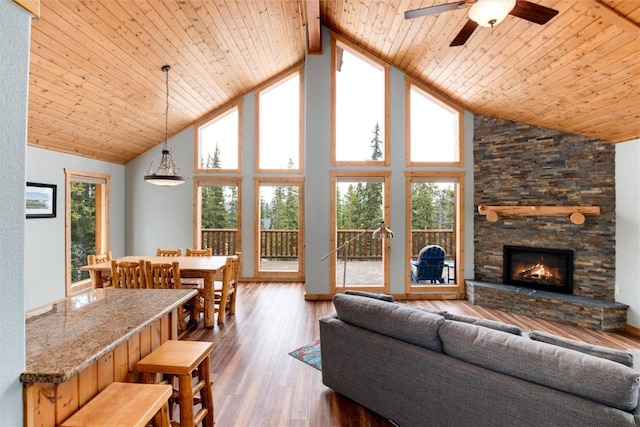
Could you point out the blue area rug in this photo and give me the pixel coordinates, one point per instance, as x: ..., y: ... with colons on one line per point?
x: 309, y: 354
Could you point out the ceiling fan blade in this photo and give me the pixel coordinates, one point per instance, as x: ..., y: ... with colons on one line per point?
x: 432, y: 10
x: 464, y: 33
x: 533, y: 12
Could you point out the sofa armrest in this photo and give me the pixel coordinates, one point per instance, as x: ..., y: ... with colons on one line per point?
x: 636, y: 366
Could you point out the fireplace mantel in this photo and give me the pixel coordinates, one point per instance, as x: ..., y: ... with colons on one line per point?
x: 576, y: 214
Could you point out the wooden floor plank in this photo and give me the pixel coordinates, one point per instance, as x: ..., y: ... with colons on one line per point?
x: 256, y: 382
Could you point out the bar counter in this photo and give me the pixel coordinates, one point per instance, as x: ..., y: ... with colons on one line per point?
x: 78, y: 346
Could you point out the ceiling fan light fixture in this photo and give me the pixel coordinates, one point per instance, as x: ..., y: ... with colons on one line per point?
x: 167, y: 174
x: 489, y: 13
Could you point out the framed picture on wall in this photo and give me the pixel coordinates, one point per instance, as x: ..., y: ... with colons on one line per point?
x: 40, y: 200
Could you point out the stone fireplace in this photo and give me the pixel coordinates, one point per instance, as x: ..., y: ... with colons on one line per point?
x: 517, y: 164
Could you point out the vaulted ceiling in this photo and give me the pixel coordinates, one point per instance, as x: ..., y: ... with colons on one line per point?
x: 97, y: 89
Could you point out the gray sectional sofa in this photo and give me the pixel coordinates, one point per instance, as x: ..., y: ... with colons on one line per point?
x: 422, y: 368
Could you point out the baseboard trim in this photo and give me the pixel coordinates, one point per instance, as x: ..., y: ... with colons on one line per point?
x: 632, y: 330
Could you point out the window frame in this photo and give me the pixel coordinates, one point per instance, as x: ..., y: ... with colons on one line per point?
x: 447, y: 104
x: 297, y: 275
x: 298, y: 69
x: 198, y: 183
x: 102, y: 182
x: 383, y: 177
x: 219, y: 113
x: 457, y: 287
x: 340, y: 42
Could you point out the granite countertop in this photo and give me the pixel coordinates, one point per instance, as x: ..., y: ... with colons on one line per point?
x: 67, y: 336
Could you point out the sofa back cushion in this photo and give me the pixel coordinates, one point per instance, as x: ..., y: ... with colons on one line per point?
x: 591, y: 377
x: 395, y: 320
x: 606, y: 353
x: 499, y: 326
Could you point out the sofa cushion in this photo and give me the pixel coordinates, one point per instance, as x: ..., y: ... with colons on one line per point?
x: 594, y: 350
x: 395, y: 320
x: 498, y: 326
x: 376, y: 295
x: 591, y: 377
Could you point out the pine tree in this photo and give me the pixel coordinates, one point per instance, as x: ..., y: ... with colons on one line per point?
x: 83, y: 231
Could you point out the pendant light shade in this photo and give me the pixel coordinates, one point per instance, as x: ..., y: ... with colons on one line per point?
x: 489, y: 13
x: 167, y: 173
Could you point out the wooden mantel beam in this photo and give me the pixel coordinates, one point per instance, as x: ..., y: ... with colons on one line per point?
x: 576, y: 214
x: 31, y: 6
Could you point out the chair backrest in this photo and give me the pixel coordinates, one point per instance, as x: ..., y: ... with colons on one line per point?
x: 199, y: 252
x: 162, y: 275
x: 99, y: 258
x: 239, y: 267
x: 128, y: 274
x: 430, y: 263
x: 229, y: 274
x: 168, y: 252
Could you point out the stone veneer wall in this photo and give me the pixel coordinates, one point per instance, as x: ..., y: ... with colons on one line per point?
x: 519, y: 164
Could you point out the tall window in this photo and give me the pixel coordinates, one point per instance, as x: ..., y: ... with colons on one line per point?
x: 217, y: 215
x: 218, y: 142
x: 433, y: 218
x: 360, y: 203
x: 279, y: 123
x: 279, y: 239
x: 360, y: 106
x: 86, y: 217
x: 434, y: 130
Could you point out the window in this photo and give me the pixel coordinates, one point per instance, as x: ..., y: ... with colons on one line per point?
x: 86, y: 223
x: 434, y: 129
x: 279, y: 123
x: 279, y: 240
x: 217, y: 215
x: 434, y: 211
x: 218, y: 142
x: 360, y: 104
x: 359, y: 204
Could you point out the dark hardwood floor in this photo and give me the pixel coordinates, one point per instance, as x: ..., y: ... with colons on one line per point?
x: 256, y: 382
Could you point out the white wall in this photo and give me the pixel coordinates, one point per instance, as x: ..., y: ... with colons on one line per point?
x: 160, y: 216
x: 15, y: 36
x: 628, y: 228
x: 45, y: 237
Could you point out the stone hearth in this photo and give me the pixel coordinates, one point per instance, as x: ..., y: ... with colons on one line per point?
x: 598, y: 314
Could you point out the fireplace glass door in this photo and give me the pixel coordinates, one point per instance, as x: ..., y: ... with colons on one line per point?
x: 539, y: 268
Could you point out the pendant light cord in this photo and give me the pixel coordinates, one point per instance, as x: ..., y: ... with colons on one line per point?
x: 166, y: 69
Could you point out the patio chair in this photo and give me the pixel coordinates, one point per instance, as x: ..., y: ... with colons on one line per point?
x: 429, y: 265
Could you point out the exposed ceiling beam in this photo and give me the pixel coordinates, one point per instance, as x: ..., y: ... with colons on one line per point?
x: 31, y: 6
x: 616, y: 18
x: 314, y: 36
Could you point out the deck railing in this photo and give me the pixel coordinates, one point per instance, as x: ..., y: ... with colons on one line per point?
x: 283, y: 244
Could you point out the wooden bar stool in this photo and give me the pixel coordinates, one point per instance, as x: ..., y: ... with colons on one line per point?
x: 183, y: 359
x: 125, y: 405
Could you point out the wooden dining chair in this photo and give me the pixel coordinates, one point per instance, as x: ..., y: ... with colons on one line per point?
x: 167, y: 276
x: 188, y: 279
x: 199, y: 252
x: 225, y: 290
x: 168, y: 252
x: 128, y: 274
x: 99, y: 259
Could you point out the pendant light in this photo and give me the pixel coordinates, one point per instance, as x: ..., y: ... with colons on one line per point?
x: 167, y: 174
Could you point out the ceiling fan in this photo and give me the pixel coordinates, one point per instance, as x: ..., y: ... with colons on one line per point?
x: 487, y: 13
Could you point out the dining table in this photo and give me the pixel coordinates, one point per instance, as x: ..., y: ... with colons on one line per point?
x: 204, y: 267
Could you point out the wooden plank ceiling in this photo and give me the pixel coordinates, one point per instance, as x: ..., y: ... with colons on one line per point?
x: 97, y: 89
